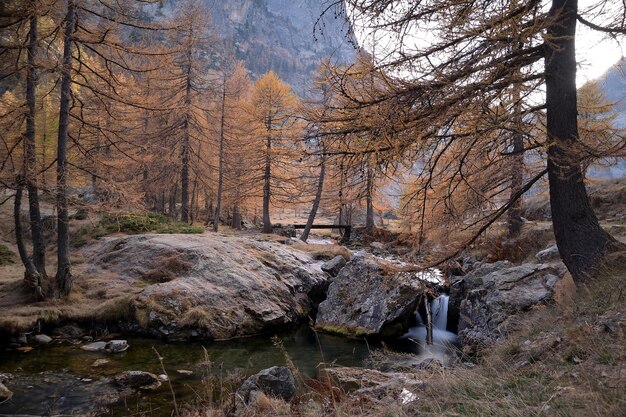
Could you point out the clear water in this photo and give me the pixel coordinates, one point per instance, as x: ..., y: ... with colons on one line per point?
x: 60, y: 379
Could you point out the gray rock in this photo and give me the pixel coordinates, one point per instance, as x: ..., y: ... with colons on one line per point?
x: 69, y: 331
x: 372, y: 383
x: 277, y: 382
x: 549, y: 254
x: 137, y: 380
x: 42, y: 339
x: 363, y: 300
x: 490, y: 303
x: 377, y: 246
x: 95, y: 347
x: 334, y: 265
x: 5, y: 393
x: 116, y: 346
x: 217, y: 287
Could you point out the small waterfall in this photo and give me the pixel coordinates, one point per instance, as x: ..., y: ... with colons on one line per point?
x: 439, y: 308
x: 431, y: 329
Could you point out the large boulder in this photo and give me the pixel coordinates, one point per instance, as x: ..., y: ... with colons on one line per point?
x: 276, y: 382
x: 208, y: 286
x: 492, y: 297
x: 369, y: 299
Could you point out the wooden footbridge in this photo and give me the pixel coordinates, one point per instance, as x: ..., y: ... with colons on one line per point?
x: 346, y: 227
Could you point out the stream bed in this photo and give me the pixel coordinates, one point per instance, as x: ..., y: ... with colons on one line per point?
x: 61, y: 379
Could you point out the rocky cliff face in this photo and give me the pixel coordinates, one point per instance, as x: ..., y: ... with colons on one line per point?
x: 282, y: 35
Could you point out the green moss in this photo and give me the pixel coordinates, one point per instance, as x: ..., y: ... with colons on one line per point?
x: 135, y: 223
x: 344, y: 331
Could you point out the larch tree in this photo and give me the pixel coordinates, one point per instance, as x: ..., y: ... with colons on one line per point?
x: 475, y: 53
x: 230, y: 164
x: 271, y: 110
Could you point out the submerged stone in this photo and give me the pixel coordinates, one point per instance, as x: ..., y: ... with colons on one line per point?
x: 138, y: 380
x: 94, y: 347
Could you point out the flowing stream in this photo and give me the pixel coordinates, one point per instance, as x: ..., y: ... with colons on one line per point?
x: 443, y: 341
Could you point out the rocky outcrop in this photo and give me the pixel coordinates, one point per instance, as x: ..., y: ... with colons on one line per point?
x: 208, y: 286
x: 493, y: 295
x: 365, y: 299
x: 290, y: 38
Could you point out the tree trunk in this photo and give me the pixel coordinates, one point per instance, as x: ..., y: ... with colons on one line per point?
x: 369, y: 215
x: 318, y: 198
x: 172, y: 202
x: 184, y: 178
x: 267, y: 224
x: 184, y: 175
x: 64, y: 274
x: 30, y: 154
x: 220, y: 172
x: 32, y: 278
x: 236, y: 218
x: 517, y: 167
x: 581, y: 241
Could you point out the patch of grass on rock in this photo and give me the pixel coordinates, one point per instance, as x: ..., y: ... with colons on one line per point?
x: 136, y: 223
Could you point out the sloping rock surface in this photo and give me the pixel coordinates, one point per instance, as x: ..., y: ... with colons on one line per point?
x: 210, y: 285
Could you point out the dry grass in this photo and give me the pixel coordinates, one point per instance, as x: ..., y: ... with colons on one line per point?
x: 323, y: 252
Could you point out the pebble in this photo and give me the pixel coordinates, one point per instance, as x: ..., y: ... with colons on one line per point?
x: 184, y: 372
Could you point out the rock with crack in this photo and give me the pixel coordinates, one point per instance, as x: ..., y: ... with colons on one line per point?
x: 368, y: 298
x: 492, y: 297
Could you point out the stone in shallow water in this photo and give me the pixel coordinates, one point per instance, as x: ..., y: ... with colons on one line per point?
x: 115, y: 346
x: 138, y: 380
x: 94, y: 347
x: 42, y: 339
x: 99, y: 362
